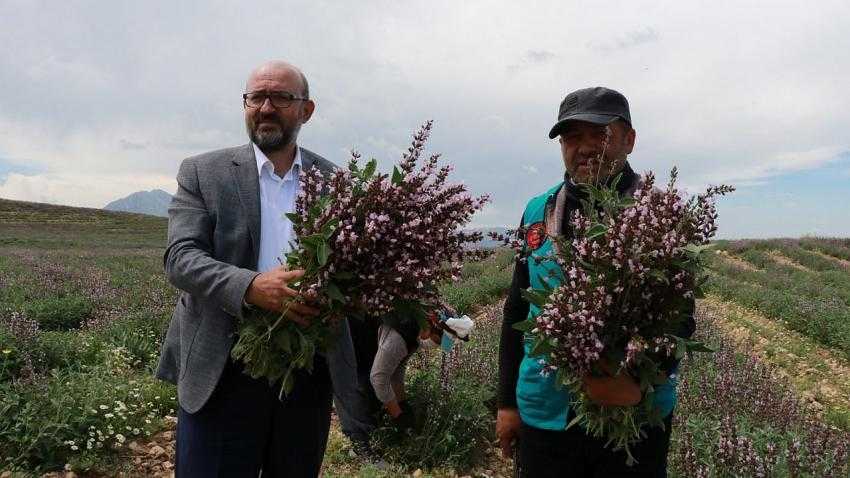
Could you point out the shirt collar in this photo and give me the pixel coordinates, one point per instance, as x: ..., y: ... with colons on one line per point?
x: 263, y: 162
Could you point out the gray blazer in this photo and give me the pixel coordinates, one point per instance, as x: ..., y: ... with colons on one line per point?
x: 213, y: 247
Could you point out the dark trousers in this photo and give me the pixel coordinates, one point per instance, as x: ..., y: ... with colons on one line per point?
x: 571, y: 453
x: 358, y: 411
x: 244, y: 428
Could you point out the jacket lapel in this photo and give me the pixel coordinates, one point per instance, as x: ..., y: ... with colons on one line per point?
x: 248, y: 187
x: 307, y: 160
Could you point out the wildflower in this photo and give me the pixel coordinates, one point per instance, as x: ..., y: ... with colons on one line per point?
x: 372, y: 243
x: 628, y: 262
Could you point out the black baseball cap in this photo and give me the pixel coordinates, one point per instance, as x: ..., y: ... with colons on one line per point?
x: 596, y: 105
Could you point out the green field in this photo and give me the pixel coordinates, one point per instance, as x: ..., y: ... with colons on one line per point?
x: 84, y: 306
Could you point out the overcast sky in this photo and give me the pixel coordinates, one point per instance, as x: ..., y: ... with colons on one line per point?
x: 101, y: 99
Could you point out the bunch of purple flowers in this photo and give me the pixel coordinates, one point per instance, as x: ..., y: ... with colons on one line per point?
x: 629, y: 277
x: 370, y: 244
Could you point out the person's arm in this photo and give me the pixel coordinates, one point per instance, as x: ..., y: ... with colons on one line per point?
x: 188, y: 260
x: 510, y: 355
x: 511, y: 340
x: 391, y: 352
x: 398, y: 382
x: 190, y: 267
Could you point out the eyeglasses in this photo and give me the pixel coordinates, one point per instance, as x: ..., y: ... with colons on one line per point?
x: 279, y: 99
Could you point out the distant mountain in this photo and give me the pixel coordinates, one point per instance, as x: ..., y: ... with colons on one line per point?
x: 153, y: 202
x: 488, y: 243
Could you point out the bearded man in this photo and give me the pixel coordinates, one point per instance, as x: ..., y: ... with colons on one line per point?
x: 227, y: 238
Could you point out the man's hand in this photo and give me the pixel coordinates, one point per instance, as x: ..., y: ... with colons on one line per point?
x: 620, y: 390
x: 507, y: 429
x: 270, y: 291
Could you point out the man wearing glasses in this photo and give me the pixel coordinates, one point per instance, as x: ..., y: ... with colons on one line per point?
x: 227, y: 234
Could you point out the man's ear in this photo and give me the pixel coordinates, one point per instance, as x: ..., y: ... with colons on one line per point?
x: 630, y: 140
x: 307, y: 110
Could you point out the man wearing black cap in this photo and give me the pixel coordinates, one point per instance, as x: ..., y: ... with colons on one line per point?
x: 595, y: 133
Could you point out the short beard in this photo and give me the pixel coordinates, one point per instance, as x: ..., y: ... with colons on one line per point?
x: 270, y: 142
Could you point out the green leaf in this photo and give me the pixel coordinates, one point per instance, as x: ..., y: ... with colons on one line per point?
x: 660, y: 276
x: 525, y: 326
x: 694, y: 250
x: 694, y: 346
x: 294, y: 217
x: 343, y: 275
x: 575, y: 421
x: 371, y: 166
x: 311, y: 245
x: 615, y: 182
x: 541, y: 347
x: 397, y: 177
x: 535, y: 296
x: 329, y: 228
x: 288, y: 383
x: 561, y: 377
x: 627, y: 201
x: 283, y: 340
x: 681, y: 348
x: 595, y: 231
x: 322, y: 253
x: 334, y: 293
x: 312, y: 240
x: 547, y: 287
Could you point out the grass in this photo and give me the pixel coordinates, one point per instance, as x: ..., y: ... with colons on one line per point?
x: 84, y: 306
x: 819, y: 375
x: 737, y: 416
x: 481, y: 283
x: 813, y: 300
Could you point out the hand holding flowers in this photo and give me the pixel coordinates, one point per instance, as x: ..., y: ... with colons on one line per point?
x: 627, y: 280
x: 368, y: 244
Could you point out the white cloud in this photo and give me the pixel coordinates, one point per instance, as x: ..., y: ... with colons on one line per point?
x: 531, y: 169
x: 86, y: 190
x: 627, y: 40
x: 117, y: 89
x: 489, y: 216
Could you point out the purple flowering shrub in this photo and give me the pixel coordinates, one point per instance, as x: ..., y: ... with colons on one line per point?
x: 630, y: 273
x: 737, y: 417
x: 370, y: 244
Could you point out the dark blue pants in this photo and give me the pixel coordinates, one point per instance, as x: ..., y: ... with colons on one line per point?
x: 557, y: 454
x: 244, y: 428
x: 357, y: 411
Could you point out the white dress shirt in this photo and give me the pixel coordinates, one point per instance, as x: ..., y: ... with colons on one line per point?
x: 277, y: 197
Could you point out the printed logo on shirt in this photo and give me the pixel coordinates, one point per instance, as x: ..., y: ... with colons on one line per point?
x: 535, y: 235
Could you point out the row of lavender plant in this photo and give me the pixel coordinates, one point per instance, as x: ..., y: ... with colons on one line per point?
x: 42, y: 278
x: 737, y: 417
x: 80, y: 391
